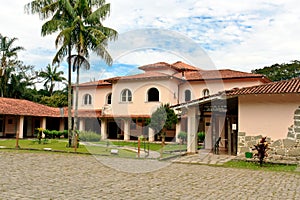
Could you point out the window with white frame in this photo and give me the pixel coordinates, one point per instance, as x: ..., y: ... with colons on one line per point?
x: 153, y: 95
x: 87, y: 99
x: 187, y: 95
x: 126, y: 95
x: 205, y: 92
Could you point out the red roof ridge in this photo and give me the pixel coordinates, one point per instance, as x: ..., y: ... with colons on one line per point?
x: 277, y: 87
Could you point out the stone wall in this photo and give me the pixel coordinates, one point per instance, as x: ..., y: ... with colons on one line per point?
x: 294, y: 130
x: 282, y: 149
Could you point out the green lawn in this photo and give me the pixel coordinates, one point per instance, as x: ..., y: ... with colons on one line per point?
x: 100, y: 148
x: 264, y: 167
x: 152, y: 146
x: 61, y: 145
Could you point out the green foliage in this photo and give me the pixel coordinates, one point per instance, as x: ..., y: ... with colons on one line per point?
x: 51, y: 76
x: 89, y: 136
x: 182, y: 135
x: 163, y: 118
x: 51, y: 134
x: 278, y: 72
x: 56, y: 100
x: 201, y: 136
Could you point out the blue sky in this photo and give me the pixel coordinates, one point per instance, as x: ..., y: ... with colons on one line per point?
x: 236, y: 34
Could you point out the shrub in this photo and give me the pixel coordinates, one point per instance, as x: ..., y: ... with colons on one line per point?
x: 201, y: 136
x: 182, y: 135
x: 89, y: 136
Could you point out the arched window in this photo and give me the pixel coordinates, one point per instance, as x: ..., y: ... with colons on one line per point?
x: 153, y: 94
x: 187, y: 95
x: 108, y: 98
x: 126, y: 96
x: 87, y: 99
x: 205, y: 92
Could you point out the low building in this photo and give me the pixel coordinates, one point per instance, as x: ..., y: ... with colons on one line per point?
x: 242, y: 116
x: 22, y: 117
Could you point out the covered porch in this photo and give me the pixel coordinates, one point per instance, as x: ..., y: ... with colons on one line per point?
x: 217, y: 117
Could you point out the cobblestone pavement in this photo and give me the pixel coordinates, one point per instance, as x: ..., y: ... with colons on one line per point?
x: 67, y: 176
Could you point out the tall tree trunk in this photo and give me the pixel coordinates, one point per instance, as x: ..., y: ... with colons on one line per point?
x: 75, y: 127
x: 70, y: 135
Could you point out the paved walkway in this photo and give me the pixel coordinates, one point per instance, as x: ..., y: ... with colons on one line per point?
x: 69, y: 176
x: 204, y: 157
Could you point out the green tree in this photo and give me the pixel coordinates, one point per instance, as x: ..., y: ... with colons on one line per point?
x: 57, y: 100
x: 9, y: 52
x: 80, y: 28
x: 162, y: 118
x: 51, y: 76
x: 278, y: 72
x: 60, y: 11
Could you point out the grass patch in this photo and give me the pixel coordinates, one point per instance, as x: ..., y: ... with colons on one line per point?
x: 54, y: 144
x: 265, y: 167
x: 61, y: 145
x: 152, y: 146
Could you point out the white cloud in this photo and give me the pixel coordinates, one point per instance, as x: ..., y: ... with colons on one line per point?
x: 238, y: 34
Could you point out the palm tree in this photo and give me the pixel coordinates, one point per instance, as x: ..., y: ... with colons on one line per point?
x: 8, y: 52
x: 50, y: 76
x: 79, y: 27
x: 60, y: 10
x: 89, y: 34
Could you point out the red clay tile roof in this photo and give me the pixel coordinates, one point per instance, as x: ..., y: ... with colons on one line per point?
x: 89, y: 113
x: 95, y: 83
x: 218, y: 74
x: 146, y: 75
x: 280, y: 87
x: 27, y: 108
x: 178, y: 66
x: 181, y: 66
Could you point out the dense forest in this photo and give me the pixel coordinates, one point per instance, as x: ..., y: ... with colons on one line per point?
x: 278, y: 72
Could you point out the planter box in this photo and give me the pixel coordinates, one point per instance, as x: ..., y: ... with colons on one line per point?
x: 249, y: 154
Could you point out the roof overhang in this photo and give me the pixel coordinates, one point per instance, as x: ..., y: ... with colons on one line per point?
x: 200, y: 101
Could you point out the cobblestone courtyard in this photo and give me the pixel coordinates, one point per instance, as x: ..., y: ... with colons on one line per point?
x: 65, y: 176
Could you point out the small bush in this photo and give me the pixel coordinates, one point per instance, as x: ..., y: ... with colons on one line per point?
x: 182, y: 135
x: 201, y: 136
x: 89, y: 136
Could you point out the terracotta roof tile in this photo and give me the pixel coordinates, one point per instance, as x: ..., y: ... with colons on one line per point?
x: 218, y: 74
x: 280, y: 87
x: 27, y: 108
x: 89, y: 113
x: 95, y: 83
x: 181, y: 66
x: 177, y: 66
x: 146, y: 75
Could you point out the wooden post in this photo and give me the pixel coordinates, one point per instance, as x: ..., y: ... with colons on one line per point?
x: 75, y: 142
x: 17, y: 140
x: 139, y: 146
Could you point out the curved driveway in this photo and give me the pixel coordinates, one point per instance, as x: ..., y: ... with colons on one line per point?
x: 66, y: 176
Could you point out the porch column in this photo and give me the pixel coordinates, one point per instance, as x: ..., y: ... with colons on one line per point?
x: 178, y: 129
x: 43, y: 123
x: 192, y: 130
x: 61, y: 124
x: 127, y: 129
x: 81, y: 124
x: 103, y: 129
x: 20, y: 126
x: 151, y: 134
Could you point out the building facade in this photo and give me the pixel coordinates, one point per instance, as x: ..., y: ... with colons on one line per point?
x: 119, y: 107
